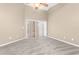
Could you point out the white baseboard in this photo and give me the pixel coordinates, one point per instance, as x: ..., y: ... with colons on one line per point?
x: 12, y: 42
x: 64, y: 41
x: 48, y: 36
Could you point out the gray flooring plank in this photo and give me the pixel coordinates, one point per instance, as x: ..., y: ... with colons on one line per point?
x: 39, y: 46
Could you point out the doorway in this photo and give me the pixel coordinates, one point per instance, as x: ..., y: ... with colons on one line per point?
x: 36, y: 28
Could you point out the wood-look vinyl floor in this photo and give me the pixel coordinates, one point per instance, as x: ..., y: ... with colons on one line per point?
x: 40, y: 46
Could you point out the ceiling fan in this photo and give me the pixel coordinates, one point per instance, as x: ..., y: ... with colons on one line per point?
x: 39, y: 5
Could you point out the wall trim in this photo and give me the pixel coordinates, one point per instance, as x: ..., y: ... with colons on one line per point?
x: 64, y: 41
x: 48, y: 36
x: 12, y: 42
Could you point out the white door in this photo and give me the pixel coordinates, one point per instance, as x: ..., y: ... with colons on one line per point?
x: 30, y: 29
x: 42, y: 25
x: 35, y: 29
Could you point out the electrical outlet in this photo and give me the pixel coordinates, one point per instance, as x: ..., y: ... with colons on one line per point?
x: 64, y: 37
x: 72, y: 39
x: 10, y: 37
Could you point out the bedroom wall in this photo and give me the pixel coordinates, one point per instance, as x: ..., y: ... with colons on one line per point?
x: 13, y: 17
x: 63, y: 22
x: 33, y: 14
x: 11, y: 22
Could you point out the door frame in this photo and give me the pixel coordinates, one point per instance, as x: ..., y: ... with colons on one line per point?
x: 27, y: 21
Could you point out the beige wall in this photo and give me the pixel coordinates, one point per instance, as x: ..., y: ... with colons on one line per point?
x: 63, y: 22
x: 31, y: 13
x: 11, y: 22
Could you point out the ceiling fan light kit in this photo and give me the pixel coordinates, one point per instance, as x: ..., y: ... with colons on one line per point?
x: 39, y: 5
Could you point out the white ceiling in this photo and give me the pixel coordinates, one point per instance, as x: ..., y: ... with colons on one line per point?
x: 45, y: 8
x: 51, y: 5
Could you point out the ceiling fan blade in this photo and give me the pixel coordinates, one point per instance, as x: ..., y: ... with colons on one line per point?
x: 44, y: 4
